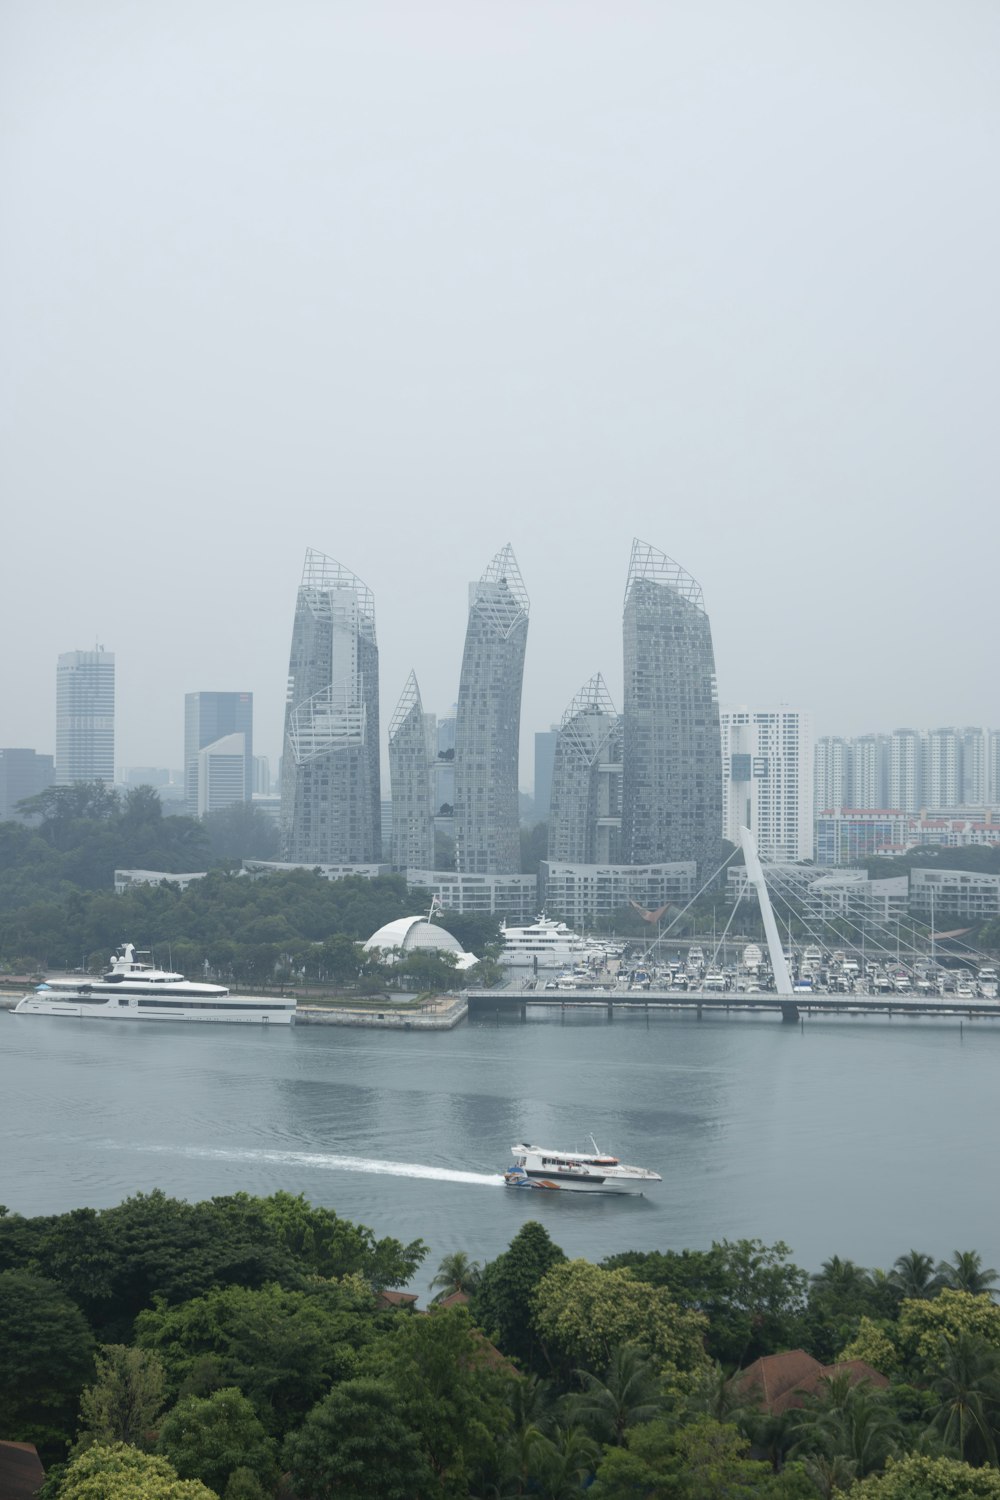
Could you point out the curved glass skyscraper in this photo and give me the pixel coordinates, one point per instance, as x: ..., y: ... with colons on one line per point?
x: 672, y: 753
x: 585, y: 803
x: 330, y: 793
x: 488, y: 721
x: 412, y: 761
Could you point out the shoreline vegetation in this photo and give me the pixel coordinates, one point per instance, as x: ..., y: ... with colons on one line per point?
x: 247, y: 1347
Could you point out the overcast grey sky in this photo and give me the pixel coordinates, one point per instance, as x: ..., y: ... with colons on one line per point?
x: 406, y: 281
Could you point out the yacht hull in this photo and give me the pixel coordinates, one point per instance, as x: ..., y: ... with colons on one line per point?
x: 261, y: 1014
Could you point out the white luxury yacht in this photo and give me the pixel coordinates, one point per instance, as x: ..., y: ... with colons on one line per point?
x: 545, y: 944
x: 135, y: 991
x: 579, y: 1171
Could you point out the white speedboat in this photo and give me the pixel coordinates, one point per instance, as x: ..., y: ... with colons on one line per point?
x: 545, y: 944
x: 136, y: 991
x: 579, y: 1171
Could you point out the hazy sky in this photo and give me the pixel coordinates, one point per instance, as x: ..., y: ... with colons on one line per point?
x: 405, y: 282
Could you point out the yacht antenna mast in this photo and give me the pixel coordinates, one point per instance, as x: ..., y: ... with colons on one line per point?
x: 755, y: 875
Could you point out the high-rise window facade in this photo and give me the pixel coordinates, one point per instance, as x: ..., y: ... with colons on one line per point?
x: 767, y: 762
x: 330, y: 785
x: 209, y: 718
x: 585, y: 803
x: 85, y: 716
x: 487, y: 722
x: 672, y: 755
x: 412, y: 762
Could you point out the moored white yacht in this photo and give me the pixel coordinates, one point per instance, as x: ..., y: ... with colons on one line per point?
x: 136, y: 991
x: 544, y: 944
x: 578, y: 1171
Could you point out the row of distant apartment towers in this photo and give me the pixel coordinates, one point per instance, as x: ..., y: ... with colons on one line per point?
x: 636, y: 788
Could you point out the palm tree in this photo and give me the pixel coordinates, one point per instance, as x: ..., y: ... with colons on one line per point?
x: 841, y: 1276
x: 913, y: 1274
x: 629, y: 1393
x: 967, y: 1386
x: 562, y: 1463
x: 853, y: 1422
x: 966, y: 1273
x: 456, y: 1273
x: 715, y: 1394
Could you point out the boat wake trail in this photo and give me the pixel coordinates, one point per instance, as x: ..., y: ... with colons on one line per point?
x: 323, y: 1162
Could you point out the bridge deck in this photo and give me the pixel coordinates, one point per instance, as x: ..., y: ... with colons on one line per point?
x: 788, y: 1006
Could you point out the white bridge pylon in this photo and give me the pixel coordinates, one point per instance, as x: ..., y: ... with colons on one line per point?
x: 755, y: 875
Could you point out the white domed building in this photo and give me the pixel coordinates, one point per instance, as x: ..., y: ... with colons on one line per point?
x: 409, y: 933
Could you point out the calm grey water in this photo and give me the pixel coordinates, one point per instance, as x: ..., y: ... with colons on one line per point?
x: 863, y: 1138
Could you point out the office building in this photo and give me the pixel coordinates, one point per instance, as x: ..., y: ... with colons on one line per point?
x: 85, y: 716
x: 487, y: 722
x: 23, y: 773
x: 585, y: 805
x: 672, y: 754
x: 330, y: 781
x: 767, y: 778
x: 210, y: 718
x: 412, y: 762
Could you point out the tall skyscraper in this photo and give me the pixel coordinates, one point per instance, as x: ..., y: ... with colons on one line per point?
x: 85, y: 716
x: 942, y: 782
x: 767, y: 764
x: 832, y: 765
x: 672, y: 755
x: 209, y: 718
x: 412, y: 764
x: 488, y: 720
x: 906, y: 767
x: 870, y: 773
x: 585, y: 804
x: 330, y: 781
x: 975, y: 767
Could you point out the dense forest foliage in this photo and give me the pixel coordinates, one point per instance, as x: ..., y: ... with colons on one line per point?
x: 245, y: 1348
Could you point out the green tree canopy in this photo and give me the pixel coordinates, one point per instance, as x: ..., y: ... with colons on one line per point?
x: 120, y: 1472
x: 451, y: 1394
x: 46, y: 1357
x: 503, y: 1297
x: 583, y: 1313
x: 280, y: 1348
x: 209, y: 1437
x: 126, y: 1398
x: 917, y: 1477
x: 357, y: 1445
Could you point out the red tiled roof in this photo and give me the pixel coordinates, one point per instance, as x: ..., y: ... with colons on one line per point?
x: 782, y: 1380
x: 21, y: 1472
x: 454, y: 1299
x: 385, y: 1300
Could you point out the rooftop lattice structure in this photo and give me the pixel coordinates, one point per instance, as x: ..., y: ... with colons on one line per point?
x: 590, y: 720
x: 323, y: 577
x: 500, y: 597
x: 409, y: 699
x: 650, y: 565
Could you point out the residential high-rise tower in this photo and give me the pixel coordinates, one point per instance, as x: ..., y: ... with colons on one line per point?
x: 767, y: 763
x: 672, y: 754
x: 85, y: 716
x: 585, y: 803
x: 412, y: 764
x: 487, y: 722
x: 330, y: 786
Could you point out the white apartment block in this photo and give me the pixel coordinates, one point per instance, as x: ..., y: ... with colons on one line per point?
x: 767, y: 779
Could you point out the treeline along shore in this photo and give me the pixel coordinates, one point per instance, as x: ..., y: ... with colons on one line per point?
x: 245, y: 1348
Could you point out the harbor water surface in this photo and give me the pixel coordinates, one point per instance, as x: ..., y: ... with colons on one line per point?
x: 863, y: 1138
